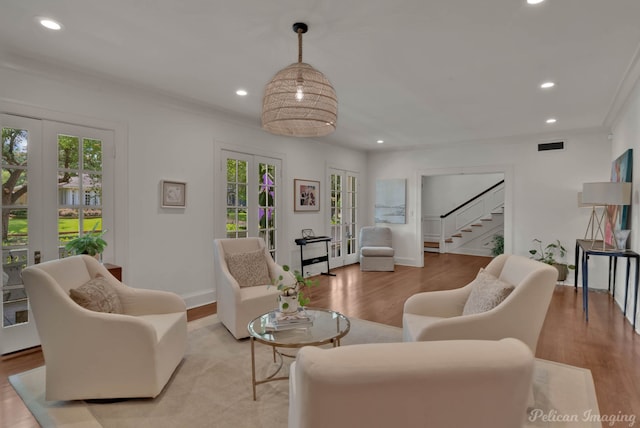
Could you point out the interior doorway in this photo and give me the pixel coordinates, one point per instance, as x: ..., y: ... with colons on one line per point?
x: 457, y: 181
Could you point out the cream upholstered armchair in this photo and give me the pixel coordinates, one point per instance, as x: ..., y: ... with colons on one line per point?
x: 376, y: 249
x: 130, y: 350
x: 444, y: 315
x: 457, y: 383
x: 244, y: 272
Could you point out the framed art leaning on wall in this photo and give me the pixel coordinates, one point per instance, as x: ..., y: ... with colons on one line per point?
x: 306, y: 195
x: 173, y: 194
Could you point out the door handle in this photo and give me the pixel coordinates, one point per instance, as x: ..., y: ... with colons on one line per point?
x: 37, y: 257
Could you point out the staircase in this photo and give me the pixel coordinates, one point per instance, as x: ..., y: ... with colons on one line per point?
x: 470, y: 227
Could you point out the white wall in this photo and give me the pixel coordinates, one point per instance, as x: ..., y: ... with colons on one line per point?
x: 541, y: 187
x: 442, y: 193
x: 626, y: 135
x: 161, y: 138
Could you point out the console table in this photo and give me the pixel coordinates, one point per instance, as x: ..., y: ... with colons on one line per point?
x: 313, y: 260
x: 589, y: 248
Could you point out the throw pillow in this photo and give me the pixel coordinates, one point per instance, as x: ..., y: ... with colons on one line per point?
x: 249, y: 269
x: 487, y: 292
x: 97, y: 295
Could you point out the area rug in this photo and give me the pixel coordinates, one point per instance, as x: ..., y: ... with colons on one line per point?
x: 212, y: 388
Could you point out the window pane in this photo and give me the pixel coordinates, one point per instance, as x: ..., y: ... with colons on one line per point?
x: 92, y: 154
x: 231, y: 170
x: 68, y: 152
x: 242, y: 172
x: 242, y: 219
x: 242, y: 195
x: 69, y: 189
x: 68, y: 224
x: 15, y: 228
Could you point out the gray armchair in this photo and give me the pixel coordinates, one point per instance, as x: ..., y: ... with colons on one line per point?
x: 376, y: 249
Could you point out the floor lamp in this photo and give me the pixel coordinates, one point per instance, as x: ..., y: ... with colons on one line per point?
x: 601, y: 195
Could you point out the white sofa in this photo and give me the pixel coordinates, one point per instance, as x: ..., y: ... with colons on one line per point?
x: 238, y: 305
x: 96, y: 355
x: 471, y: 383
x: 437, y: 315
x: 376, y: 249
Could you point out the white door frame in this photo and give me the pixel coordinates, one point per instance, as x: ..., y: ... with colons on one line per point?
x: 508, y: 172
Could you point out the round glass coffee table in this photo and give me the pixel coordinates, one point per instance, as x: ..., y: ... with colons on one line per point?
x: 328, y: 328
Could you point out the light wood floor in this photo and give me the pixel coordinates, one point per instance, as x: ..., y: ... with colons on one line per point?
x: 606, y: 345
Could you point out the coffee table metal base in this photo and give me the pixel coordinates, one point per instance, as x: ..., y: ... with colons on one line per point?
x: 327, y: 329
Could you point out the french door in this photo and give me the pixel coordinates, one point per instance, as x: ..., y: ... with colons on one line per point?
x: 343, y: 211
x: 56, y: 185
x: 252, y: 192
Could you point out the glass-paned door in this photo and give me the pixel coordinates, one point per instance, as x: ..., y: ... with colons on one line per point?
x: 252, y: 193
x: 21, y: 234
x: 56, y: 184
x: 343, y: 210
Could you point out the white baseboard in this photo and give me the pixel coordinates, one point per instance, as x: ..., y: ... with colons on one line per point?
x: 199, y: 298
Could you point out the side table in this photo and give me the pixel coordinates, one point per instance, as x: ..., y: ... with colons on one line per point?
x: 590, y: 248
x: 114, y: 270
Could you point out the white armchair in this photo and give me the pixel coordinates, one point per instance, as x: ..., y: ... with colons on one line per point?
x: 98, y: 355
x: 457, y: 383
x: 437, y: 315
x: 376, y: 249
x: 237, y: 305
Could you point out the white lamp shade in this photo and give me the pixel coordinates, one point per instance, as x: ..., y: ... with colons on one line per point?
x: 606, y: 193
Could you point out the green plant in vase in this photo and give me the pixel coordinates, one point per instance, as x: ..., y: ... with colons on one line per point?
x: 291, y: 293
x: 90, y: 243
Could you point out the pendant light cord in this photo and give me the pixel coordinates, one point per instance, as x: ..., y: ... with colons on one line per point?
x: 300, y: 31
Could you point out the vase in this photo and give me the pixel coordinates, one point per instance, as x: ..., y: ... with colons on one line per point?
x: 621, y: 236
x: 288, y: 304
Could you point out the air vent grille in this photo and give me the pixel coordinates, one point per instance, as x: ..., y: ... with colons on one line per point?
x: 556, y: 145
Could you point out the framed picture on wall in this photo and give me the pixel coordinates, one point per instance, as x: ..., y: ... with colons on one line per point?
x: 391, y: 201
x: 306, y: 195
x: 173, y: 194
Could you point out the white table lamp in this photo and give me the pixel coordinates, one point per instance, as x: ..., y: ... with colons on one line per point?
x: 601, y: 195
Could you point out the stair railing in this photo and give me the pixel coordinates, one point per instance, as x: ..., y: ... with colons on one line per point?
x: 466, y: 214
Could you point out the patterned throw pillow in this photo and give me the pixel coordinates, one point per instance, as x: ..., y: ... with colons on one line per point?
x: 249, y: 269
x: 487, y: 292
x: 97, y: 295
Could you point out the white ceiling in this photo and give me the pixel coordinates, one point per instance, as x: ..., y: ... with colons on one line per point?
x: 410, y: 72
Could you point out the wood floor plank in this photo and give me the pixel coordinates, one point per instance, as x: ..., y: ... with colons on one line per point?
x: 607, y: 344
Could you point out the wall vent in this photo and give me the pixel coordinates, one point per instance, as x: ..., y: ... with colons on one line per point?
x: 556, y: 145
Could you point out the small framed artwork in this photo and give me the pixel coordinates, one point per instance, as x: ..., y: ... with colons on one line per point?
x: 174, y: 194
x: 306, y: 195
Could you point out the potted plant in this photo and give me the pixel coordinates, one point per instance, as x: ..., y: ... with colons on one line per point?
x: 90, y: 243
x: 497, y: 245
x: 552, y: 254
x: 291, y: 294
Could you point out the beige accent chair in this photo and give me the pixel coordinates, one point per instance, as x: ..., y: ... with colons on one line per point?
x: 437, y: 315
x: 376, y: 249
x: 96, y: 355
x: 239, y: 305
x: 457, y: 383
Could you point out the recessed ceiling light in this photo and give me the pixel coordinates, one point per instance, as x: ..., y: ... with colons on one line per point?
x: 241, y: 92
x: 380, y: 141
x: 50, y: 24
x: 547, y: 85
x: 534, y: 1
x: 551, y: 120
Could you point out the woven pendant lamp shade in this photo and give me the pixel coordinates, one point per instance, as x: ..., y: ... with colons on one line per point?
x: 299, y: 101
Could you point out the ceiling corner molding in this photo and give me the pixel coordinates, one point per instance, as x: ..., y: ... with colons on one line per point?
x: 628, y: 82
